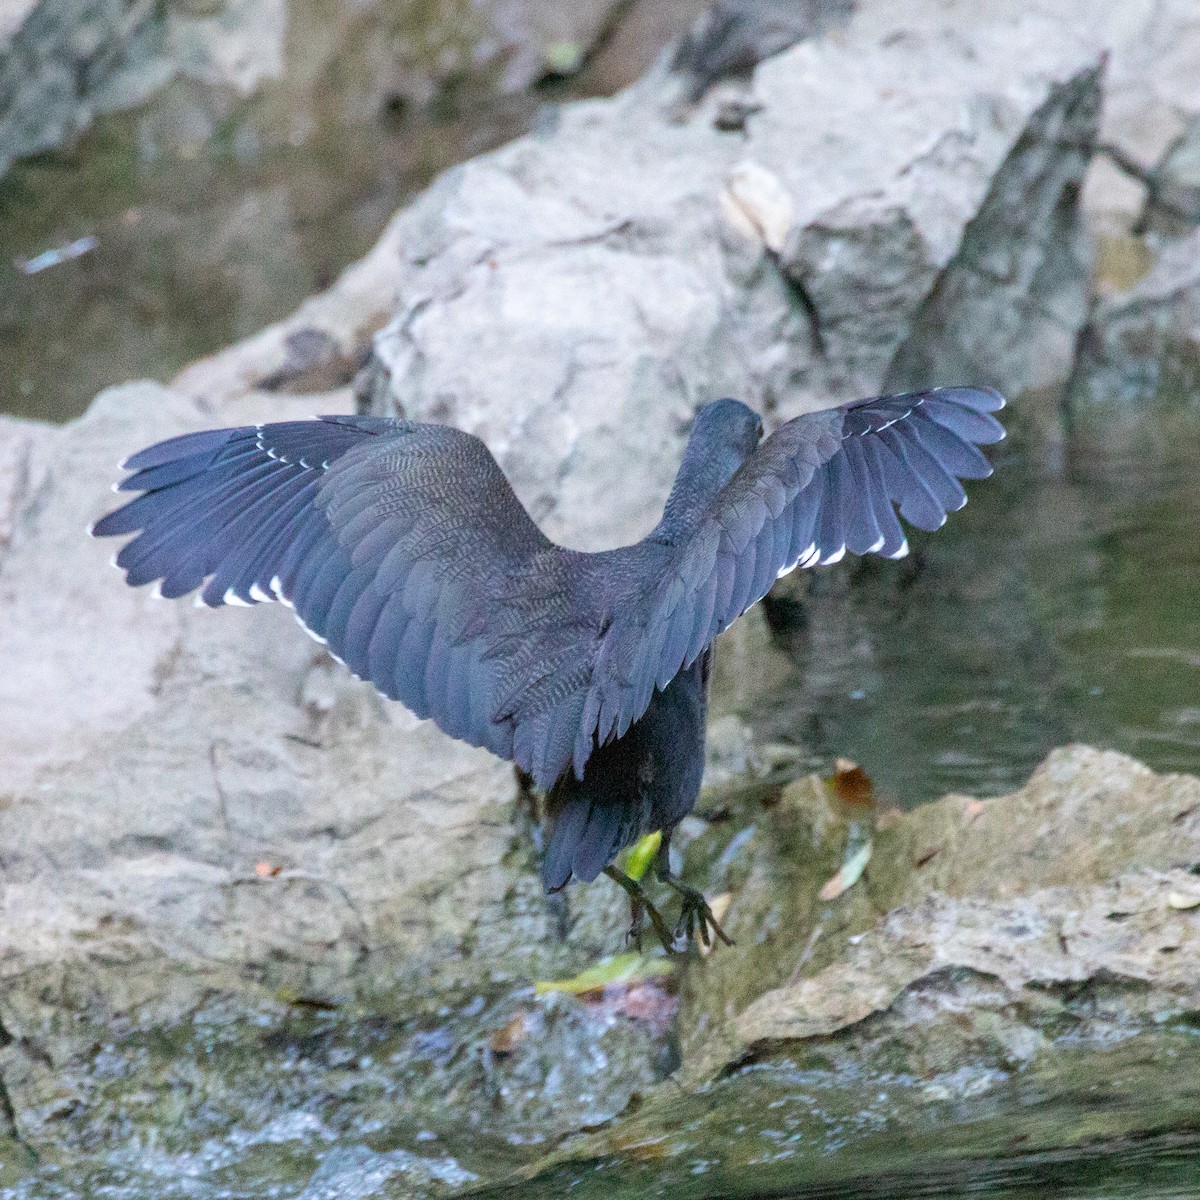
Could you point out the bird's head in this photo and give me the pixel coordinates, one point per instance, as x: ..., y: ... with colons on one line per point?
x: 724, y: 434
x: 727, y: 429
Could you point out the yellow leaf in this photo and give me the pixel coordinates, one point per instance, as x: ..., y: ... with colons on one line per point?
x: 622, y: 968
x: 642, y: 855
x: 852, y: 784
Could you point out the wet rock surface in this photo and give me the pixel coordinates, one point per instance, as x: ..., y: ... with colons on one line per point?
x: 1041, y: 945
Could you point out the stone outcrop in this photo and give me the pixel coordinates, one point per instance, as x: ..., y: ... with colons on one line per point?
x: 1040, y: 944
x: 603, y: 278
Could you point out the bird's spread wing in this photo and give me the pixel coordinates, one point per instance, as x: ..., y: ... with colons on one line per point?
x: 401, y: 545
x: 822, y: 484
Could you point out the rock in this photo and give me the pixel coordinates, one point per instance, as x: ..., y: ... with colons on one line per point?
x: 1023, y: 946
x: 734, y: 36
x: 1086, y: 819
x: 573, y: 296
x: 1138, y: 360
x: 64, y: 64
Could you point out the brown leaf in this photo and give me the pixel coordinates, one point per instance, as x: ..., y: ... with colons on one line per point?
x: 509, y: 1036
x: 852, y: 784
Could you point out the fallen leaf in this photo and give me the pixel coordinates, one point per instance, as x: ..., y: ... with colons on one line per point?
x: 509, y: 1036
x: 627, y: 968
x: 852, y: 784
x: 265, y: 870
x: 642, y: 855
x: 849, y: 874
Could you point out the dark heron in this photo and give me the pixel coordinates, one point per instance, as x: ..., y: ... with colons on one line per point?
x: 401, y: 546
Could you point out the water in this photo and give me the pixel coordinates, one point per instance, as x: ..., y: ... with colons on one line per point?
x: 1058, y: 606
x: 214, y: 216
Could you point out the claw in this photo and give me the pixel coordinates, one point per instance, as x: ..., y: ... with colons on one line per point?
x: 694, y: 910
x: 639, y: 909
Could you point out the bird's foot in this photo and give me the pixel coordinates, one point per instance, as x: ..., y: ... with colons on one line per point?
x: 694, y: 912
x: 695, y: 916
x: 639, y: 909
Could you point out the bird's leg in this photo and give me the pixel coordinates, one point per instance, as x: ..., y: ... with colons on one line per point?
x: 694, y: 911
x: 639, y: 908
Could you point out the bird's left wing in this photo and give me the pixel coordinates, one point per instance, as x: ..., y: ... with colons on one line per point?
x: 822, y: 484
x: 399, y: 544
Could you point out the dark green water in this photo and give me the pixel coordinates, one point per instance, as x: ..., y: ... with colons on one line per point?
x: 1056, y: 607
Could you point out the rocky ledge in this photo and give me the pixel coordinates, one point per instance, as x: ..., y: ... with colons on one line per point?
x: 999, y: 960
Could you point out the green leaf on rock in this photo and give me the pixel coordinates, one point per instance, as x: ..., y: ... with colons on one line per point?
x: 642, y: 855
x: 626, y: 968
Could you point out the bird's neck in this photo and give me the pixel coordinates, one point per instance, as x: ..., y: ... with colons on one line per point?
x: 705, y: 470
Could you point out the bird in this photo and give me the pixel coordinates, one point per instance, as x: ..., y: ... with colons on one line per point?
x: 401, y: 546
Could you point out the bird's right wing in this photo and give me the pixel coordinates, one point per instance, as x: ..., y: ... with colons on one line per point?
x: 822, y: 484
x: 401, y: 545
